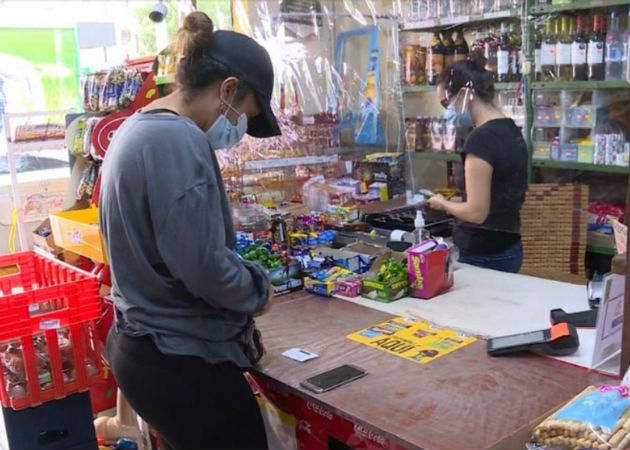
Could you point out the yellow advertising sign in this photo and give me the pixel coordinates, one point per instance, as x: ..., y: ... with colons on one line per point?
x: 417, y: 341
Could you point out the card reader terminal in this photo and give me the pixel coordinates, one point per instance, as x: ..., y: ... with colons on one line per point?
x: 559, y: 340
x: 582, y: 319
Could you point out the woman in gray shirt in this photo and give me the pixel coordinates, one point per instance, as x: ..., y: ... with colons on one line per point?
x: 184, y: 301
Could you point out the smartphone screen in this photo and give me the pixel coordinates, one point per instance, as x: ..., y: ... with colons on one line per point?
x: 335, y: 377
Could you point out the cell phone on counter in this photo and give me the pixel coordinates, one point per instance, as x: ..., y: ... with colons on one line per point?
x: 334, y: 378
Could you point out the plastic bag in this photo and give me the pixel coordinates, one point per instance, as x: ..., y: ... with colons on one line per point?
x: 595, y: 419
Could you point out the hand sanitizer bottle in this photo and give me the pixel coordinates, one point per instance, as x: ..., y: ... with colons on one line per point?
x: 420, y: 233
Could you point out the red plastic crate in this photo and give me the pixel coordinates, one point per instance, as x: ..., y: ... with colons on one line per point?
x: 48, y: 342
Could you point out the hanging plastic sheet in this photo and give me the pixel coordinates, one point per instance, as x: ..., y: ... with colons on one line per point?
x: 336, y: 88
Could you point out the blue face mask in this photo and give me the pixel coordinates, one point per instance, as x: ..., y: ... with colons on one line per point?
x: 458, y: 120
x: 223, y: 134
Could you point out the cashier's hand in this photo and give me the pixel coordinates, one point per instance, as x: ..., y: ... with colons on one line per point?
x: 267, y: 306
x: 438, y: 202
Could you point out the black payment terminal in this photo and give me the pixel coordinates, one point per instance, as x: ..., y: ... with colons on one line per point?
x: 559, y: 340
x: 582, y: 319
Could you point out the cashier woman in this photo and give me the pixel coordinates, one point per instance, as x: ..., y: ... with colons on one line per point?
x: 494, y: 175
x: 183, y: 299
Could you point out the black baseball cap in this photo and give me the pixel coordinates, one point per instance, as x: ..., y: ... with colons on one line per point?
x: 252, y: 64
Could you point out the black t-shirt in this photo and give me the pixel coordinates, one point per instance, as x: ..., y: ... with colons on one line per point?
x: 500, y: 143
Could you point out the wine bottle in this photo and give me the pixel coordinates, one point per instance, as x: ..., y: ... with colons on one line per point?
x: 548, y: 53
x: 516, y: 54
x: 614, y: 48
x: 435, y: 59
x: 626, y: 44
x: 564, y: 45
x: 503, y: 56
x: 538, y: 55
x: 595, y: 52
x: 578, y: 52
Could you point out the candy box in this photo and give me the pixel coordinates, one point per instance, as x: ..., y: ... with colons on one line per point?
x: 430, y: 269
x: 569, y: 152
x: 325, y: 281
x: 353, y: 261
x: 390, y: 173
x: 385, y: 285
x: 349, y: 287
x: 379, y: 189
x: 347, y: 213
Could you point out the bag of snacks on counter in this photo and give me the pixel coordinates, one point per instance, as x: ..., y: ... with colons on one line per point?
x: 596, y: 419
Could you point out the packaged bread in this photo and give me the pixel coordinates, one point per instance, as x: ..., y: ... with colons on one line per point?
x: 598, y: 419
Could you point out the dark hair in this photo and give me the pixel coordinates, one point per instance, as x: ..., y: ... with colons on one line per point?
x: 197, y: 69
x: 473, y: 71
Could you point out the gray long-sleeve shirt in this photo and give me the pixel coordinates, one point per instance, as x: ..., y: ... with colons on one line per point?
x: 168, y: 230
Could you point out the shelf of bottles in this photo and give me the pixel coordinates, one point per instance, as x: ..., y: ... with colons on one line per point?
x: 579, y: 78
x: 498, y: 40
x: 549, y: 6
x: 583, y: 48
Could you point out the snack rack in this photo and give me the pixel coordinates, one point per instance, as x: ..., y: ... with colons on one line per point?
x: 14, y: 148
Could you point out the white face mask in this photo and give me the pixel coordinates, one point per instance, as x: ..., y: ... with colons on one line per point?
x: 223, y: 134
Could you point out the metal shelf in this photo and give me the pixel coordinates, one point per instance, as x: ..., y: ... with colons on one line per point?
x: 606, y: 251
x: 577, y: 4
x: 36, y: 146
x: 568, y: 165
x: 427, y: 88
x: 472, y: 19
x: 579, y: 85
x: 434, y: 156
x: 418, y: 89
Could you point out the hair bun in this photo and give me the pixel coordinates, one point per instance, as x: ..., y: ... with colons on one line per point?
x: 194, y: 35
x: 478, y: 60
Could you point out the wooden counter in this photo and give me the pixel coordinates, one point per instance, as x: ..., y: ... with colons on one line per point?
x: 465, y: 400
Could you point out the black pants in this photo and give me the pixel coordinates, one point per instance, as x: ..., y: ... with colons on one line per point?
x: 193, y: 405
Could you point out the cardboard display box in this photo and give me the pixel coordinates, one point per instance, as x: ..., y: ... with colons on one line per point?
x: 286, y: 279
x: 430, y: 273
x: 385, y: 291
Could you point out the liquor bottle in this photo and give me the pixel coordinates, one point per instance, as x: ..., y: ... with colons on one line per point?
x: 503, y: 56
x: 449, y: 48
x: 490, y: 48
x: 564, y: 45
x: 517, y: 53
x: 614, y: 48
x: 548, y: 53
x: 578, y: 52
x: 626, y: 44
x: 538, y: 55
x: 595, y: 52
x: 461, y: 47
x: 435, y: 59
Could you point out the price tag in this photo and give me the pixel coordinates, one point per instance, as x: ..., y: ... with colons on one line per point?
x: 420, y: 24
x: 498, y: 14
x: 455, y: 20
